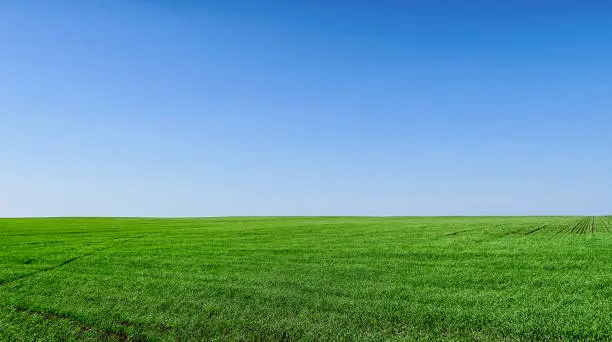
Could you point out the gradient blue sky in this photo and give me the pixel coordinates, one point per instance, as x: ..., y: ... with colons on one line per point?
x: 167, y: 108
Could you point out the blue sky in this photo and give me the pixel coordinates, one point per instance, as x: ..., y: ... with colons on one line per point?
x: 168, y: 108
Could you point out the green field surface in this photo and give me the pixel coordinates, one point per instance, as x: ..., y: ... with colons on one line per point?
x: 306, y: 278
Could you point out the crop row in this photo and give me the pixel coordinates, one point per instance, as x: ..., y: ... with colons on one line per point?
x: 584, y: 225
x: 603, y: 224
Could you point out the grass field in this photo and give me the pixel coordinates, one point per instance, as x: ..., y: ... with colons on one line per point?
x: 323, y: 278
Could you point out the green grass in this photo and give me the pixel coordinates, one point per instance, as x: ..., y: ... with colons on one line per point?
x: 342, y: 278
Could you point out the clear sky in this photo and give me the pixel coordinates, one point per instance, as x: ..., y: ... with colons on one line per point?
x: 167, y: 108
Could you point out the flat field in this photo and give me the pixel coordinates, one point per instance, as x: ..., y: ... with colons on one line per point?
x: 306, y: 278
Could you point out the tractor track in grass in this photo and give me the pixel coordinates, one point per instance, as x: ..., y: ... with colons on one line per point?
x: 544, y: 228
x: 64, y: 263
x: 496, y: 226
x: 107, y: 334
x: 537, y: 229
x: 565, y: 229
x: 526, y: 231
x: 47, y: 269
x: 116, y: 334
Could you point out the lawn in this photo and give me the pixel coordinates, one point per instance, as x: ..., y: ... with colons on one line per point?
x: 306, y: 278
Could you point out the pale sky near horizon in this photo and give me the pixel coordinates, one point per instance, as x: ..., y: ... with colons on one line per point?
x: 166, y: 108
